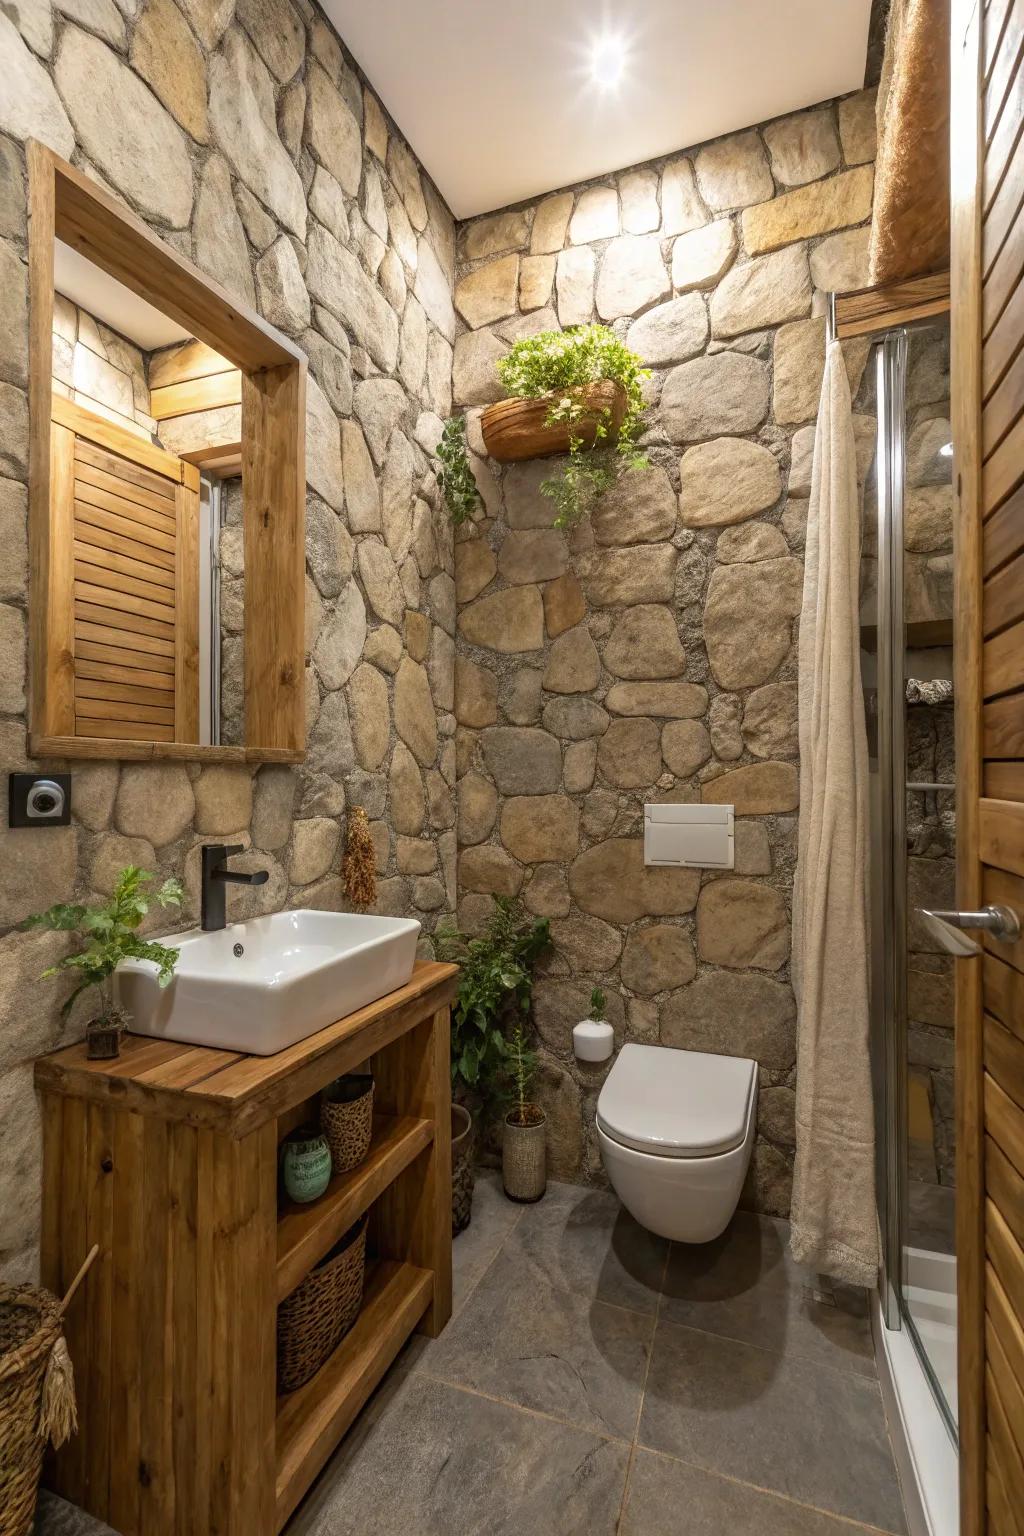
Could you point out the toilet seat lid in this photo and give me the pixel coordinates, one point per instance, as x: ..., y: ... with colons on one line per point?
x: 677, y: 1103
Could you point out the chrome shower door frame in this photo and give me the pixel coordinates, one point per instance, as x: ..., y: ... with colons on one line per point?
x: 889, y: 831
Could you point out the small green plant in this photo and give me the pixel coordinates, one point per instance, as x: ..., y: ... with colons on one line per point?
x: 455, y: 476
x: 496, y: 982
x: 598, y: 1002
x: 561, y: 364
x: 110, y: 931
x: 522, y: 1067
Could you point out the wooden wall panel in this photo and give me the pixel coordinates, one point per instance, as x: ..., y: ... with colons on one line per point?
x: 988, y: 386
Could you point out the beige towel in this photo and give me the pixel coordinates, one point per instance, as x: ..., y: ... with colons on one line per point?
x: 834, y: 1222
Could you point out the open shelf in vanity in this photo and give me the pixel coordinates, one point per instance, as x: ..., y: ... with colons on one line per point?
x: 167, y: 1157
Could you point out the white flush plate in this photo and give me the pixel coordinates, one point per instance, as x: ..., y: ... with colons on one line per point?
x: 689, y: 836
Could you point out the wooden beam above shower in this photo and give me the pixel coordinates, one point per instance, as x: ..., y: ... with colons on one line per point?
x: 867, y: 311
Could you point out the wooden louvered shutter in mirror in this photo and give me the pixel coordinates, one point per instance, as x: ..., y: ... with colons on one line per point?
x: 988, y: 439
x: 124, y: 587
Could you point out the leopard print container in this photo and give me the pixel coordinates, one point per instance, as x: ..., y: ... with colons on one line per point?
x: 346, y: 1119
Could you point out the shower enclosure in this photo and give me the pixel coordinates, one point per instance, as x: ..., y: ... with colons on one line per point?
x: 907, y: 623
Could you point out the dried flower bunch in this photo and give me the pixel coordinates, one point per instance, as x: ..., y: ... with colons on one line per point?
x: 359, y: 868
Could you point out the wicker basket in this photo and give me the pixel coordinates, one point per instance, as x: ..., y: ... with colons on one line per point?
x: 37, y: 1394
x: 462, y: 1168
x: 524, y: 1159
x: 313, y: 1320
x: 346, y: 1119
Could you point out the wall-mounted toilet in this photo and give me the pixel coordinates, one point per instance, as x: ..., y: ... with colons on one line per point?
x: 676, y: 1130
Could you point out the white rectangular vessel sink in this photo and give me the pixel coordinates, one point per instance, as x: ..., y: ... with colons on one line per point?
x: 260, y: 986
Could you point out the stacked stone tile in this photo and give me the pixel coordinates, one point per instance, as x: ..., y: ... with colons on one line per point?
x: 651, y: 655
x: 242, y: 133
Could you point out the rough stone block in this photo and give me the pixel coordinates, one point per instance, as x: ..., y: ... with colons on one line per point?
x: 521, y: 760
x: 538, y: 828
x: 702, y: 256
x: 803, y: 147
x: 766, y: 291
x: 726, y: 481
x: 645, y: 574
x: 756, y: 789
x: 657, y: 959
x: 488, y: 292
x: 644, y: 644
x: 733, y: 172
x: 670, y: 332
x: 611, y: 881
x: 509, y: 621
x: 742, y: 925
x: 629, y: 753
x: 632, y: 276
x: 816, y: 209
x: 724, y: 392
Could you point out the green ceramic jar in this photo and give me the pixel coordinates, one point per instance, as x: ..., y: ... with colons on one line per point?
x: 305, y: 1165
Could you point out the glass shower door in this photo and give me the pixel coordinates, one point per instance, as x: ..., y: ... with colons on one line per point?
x: 907, y: 633
x: 929, y: 1247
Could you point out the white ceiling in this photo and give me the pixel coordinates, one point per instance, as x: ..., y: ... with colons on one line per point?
x: 103, y: 297
x: 497, y: 99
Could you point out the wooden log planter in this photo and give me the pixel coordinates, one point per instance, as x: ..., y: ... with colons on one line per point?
x: 516, y: 429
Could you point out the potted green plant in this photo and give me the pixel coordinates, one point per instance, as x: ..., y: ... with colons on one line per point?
x: 458, y: 487
x: 495, y: 986
x: 110, y: 931
x: 578, y: 392
x: 524, y: 1144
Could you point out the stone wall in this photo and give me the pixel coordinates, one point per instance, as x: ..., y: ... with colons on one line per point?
x: 99, y: 369
x: 651, y: 656
x: 242, y: 133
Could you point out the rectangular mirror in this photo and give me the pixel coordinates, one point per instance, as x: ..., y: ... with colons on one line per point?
x: 167, y: 497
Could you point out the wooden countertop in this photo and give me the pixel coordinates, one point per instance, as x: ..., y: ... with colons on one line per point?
x: 233, y: 1092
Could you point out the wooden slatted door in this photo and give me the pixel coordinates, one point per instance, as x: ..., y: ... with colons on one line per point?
x: 124, y: 581
x: 988, y: 431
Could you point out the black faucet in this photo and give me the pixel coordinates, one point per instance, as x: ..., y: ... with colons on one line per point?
x: 216, y: 875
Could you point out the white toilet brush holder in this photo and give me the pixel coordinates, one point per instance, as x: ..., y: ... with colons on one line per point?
x: 593, y: 1040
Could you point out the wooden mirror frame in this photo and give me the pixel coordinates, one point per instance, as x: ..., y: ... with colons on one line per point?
x: 66, y: 205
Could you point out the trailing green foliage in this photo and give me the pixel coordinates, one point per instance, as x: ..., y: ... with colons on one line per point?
x: 597, y: 1005
x: 522, y: 1065
x: 110, y: 931
x: 455, y: 476
x: 561, y: 364
x: 496, y: 981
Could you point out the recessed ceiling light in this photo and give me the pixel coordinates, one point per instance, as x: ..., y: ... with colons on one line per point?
x: 946, y: 450
x: 607, y: 59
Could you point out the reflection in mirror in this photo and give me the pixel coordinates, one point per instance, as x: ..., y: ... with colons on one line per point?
x: 146, y: 448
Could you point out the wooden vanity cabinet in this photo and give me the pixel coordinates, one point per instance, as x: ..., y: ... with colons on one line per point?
x: 167, y: 1158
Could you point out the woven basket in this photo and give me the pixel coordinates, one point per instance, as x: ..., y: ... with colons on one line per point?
x: 462, y: 1168
x: 346, y: 1119
x: 524, y: 1160
x: 30, y: 1337
x: 314, y: 1319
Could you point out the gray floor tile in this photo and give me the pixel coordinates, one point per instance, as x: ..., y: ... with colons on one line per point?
x: 786, y: 1424
x: 546, y: 1348
x: 667, y: 1498
x: 747, y: 1286
x: 494, y: 1216
x: 56, y: 1517
x: 582, y: 1240
x: 431, y: 1460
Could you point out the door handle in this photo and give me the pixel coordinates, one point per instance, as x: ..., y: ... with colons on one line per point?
x: 947, y: 927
